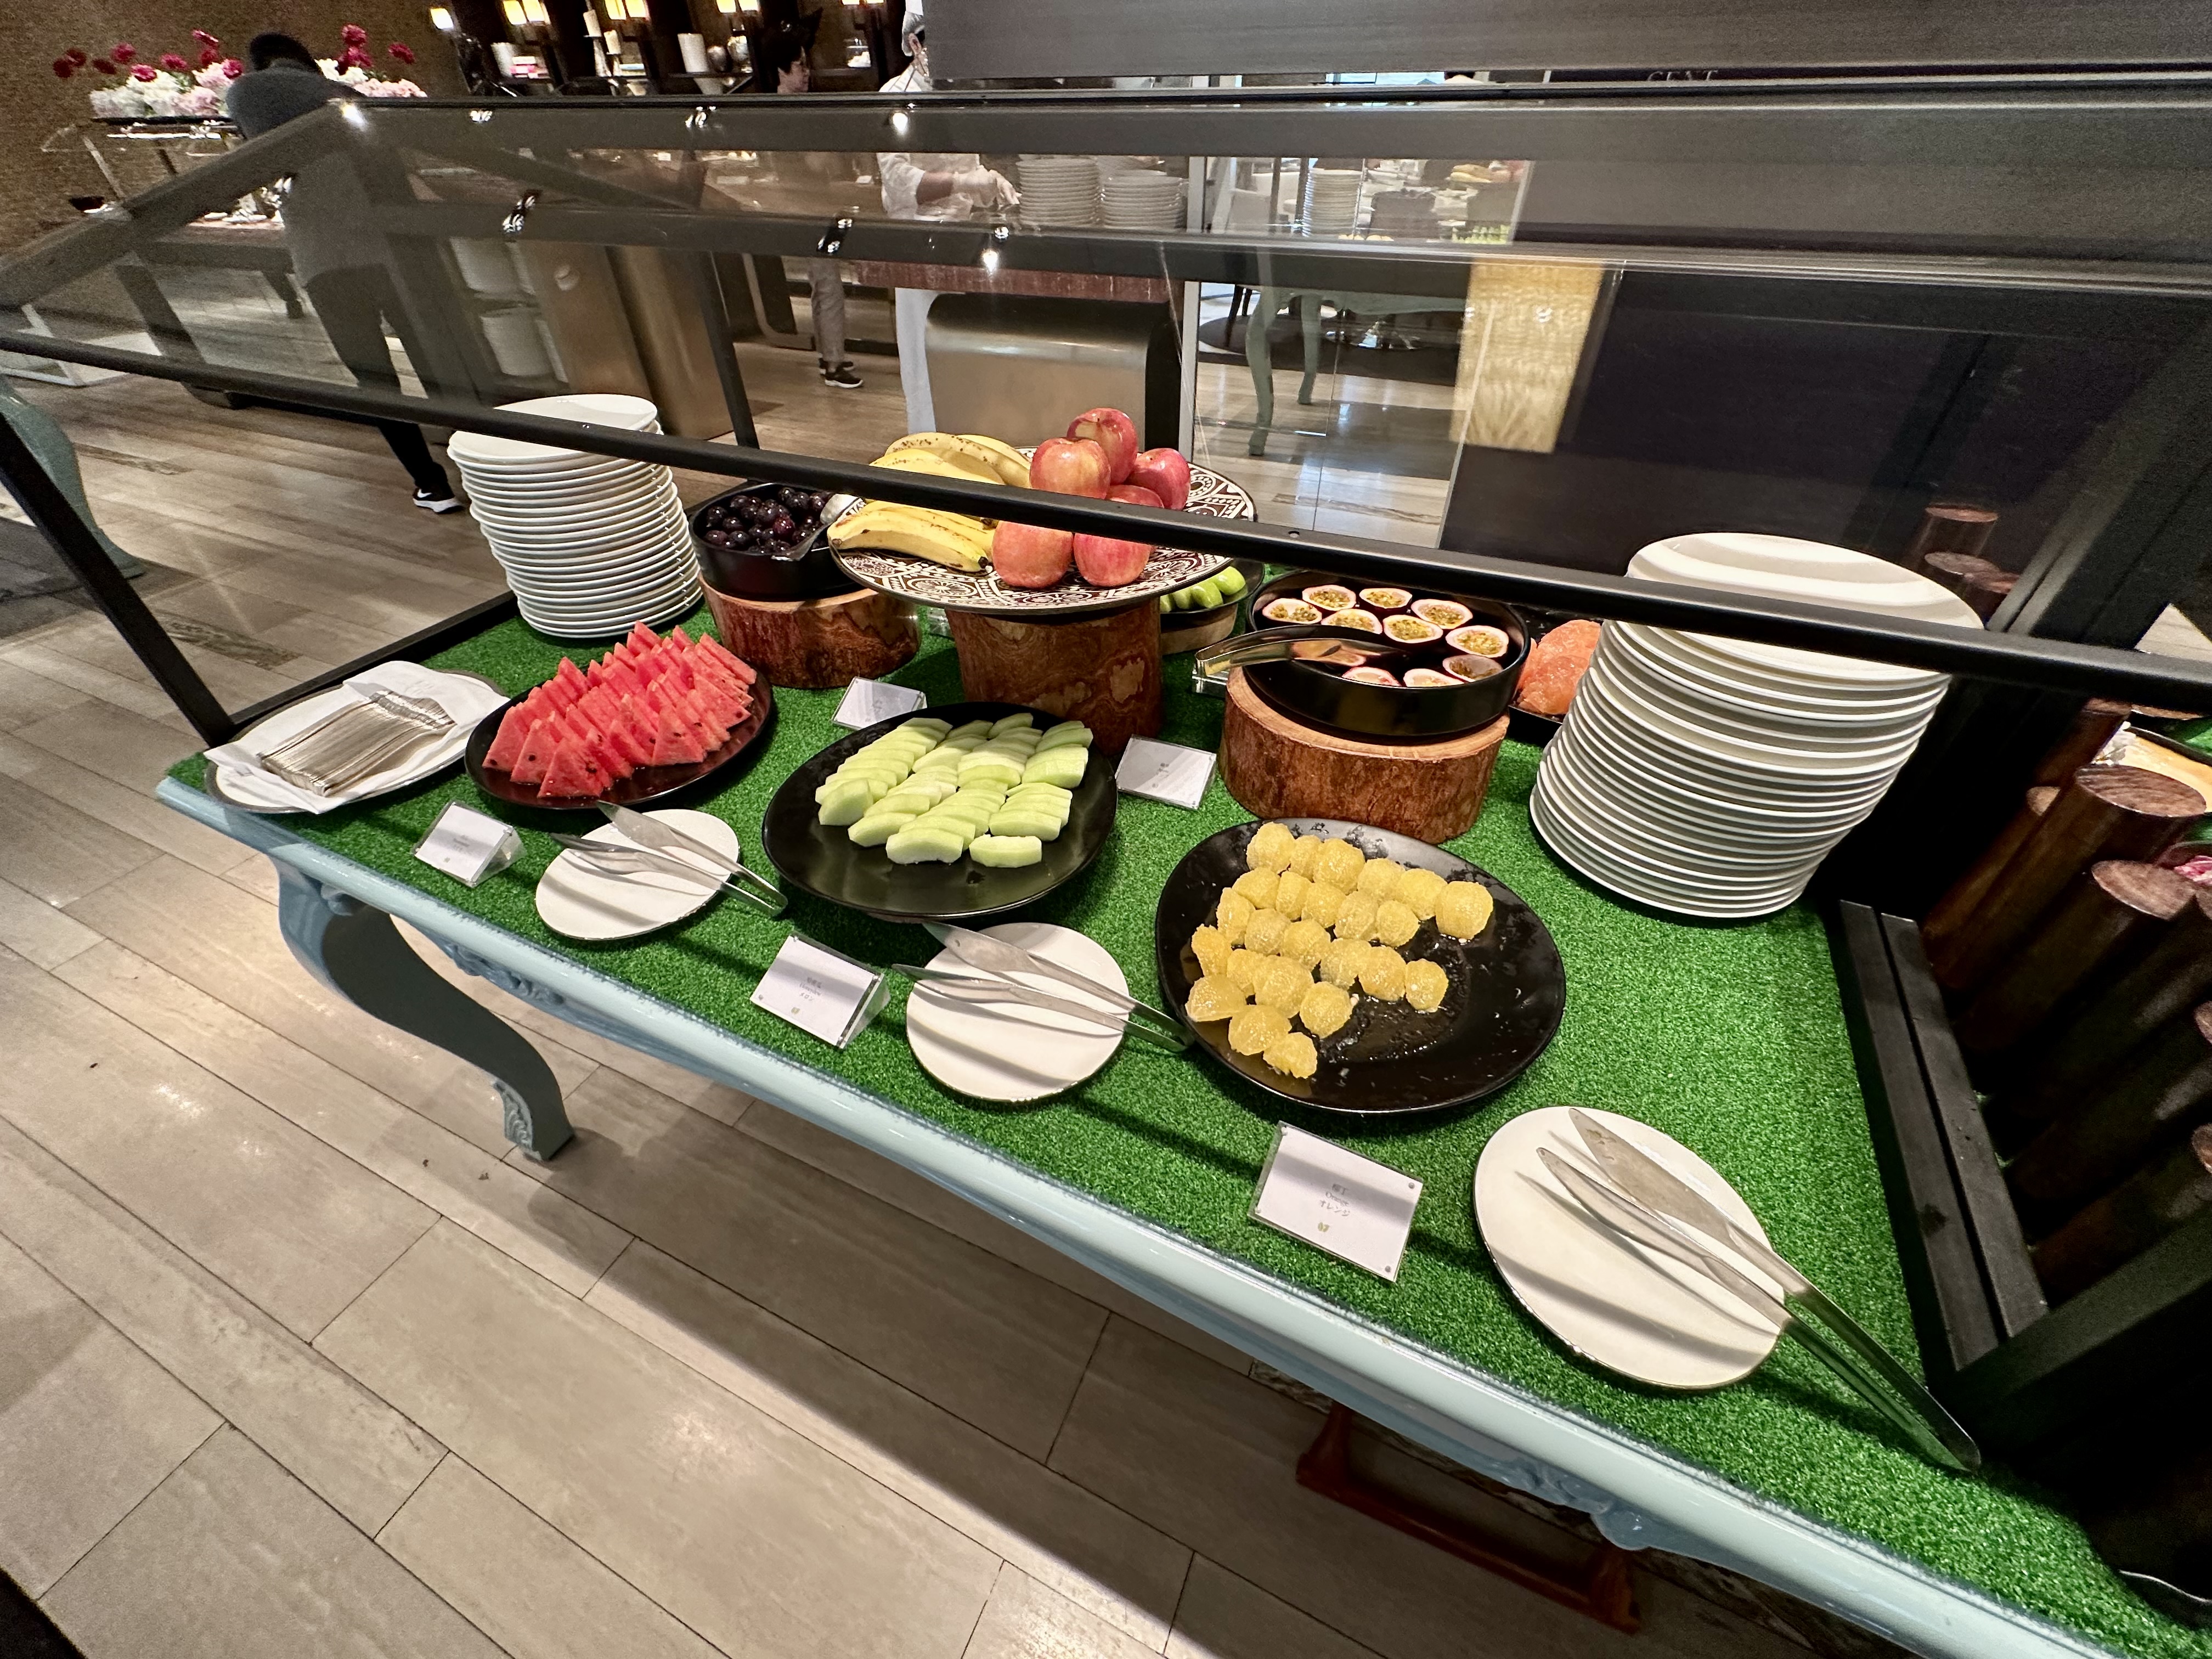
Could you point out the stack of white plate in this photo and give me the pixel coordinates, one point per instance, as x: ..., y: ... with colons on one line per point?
x: 1141, y: 200
x: 1332, y: 202
x: 1709, y: 777
x: 590, y: 544
x: 1059, y: 189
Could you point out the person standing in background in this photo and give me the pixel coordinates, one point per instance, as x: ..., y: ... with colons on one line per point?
x: 338, y: 255
x: 929, y: 185
x: 785, y: 57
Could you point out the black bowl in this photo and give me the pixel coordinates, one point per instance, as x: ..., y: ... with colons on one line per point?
x: 747, y: 573
x: 1323, y: 697
x: 821, y: 860
x: 1509, y: 990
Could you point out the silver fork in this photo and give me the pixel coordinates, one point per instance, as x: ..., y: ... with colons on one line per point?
x: 339, y: 755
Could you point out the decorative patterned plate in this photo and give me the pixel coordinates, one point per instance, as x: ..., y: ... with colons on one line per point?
x: 904, y: 576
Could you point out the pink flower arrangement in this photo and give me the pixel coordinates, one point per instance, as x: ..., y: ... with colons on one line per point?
x: 64, y: 68
x: 354, y: 35
x: 124, y: 52
x: 175, y: 63
x: 206, y: 40
x: 353, y: 57
x: 145, y: 72
x: 103, y: 66
x: 401, y: 51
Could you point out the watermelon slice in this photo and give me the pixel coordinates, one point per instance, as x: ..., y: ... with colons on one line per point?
x: 728, y: 707
x: 607, y: 756
x: 600, y: 704
x: 573, y: 775
x: 632, y: 734
x: 714, y: 730
x: 569, y: 675
x: 679, y: 639
x: 714, y: 649
x: 536, y: 753
x: 513, y: 733
x: 641, y: 638
x: 623, y: 679
x: 677, y: 742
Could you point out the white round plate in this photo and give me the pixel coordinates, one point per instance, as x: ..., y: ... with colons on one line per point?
x: 579, y: 901
x: 1609, y: 871
x: 624, y: 414
x: 613, y: 477
x: 527, y: 508
x: 905, y: 577
x: 1612, y: 1302
x: 1004, y: 1050
x: 236, y: 787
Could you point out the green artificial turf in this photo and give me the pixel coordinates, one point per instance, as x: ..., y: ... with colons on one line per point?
x: 1729, y: 1038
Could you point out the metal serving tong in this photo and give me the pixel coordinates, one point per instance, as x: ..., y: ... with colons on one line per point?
x: 1656, y: 1208
x: 654, y: 842
x: 1326, y: 647
x: 1000, y: 961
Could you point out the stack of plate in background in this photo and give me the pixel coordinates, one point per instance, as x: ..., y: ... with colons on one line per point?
x: 1709, y: 777
x: 590, y: 543
x: 1059, y: 189
x: 1331, y: 207
x: 1142, y: 200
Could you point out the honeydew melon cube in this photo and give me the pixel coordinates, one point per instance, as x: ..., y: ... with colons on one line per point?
x: 977, y: 729
x: 1011, y: 723
x: 1010, y: 821
x: 935, y: 727
x: 847, y: 803
x: 924, y: 844
x: 1063, y: 767
x: 878, y: 827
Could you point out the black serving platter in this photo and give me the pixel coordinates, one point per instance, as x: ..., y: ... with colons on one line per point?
x: 1323, y: 697
x: 821, y: 860
x: 646, y: 783
x: 1507, y: 989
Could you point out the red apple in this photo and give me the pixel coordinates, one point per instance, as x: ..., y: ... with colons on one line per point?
x: 1135, y: 494
x: 1105, y: 562
x: 1029, y: 554
x: 1112, y: 431
x: 1071, y: 466
x: 1166, y: 474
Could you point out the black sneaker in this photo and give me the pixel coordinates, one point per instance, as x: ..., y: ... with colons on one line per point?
x: 437, y: 500
x: 841, y: 377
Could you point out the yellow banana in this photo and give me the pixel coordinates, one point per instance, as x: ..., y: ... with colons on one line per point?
x: 948, y: 539
x: 963, y: 452
x: 1013, y: 467
x: 923, y: 460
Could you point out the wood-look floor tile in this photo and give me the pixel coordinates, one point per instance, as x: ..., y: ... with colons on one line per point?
x: 120, y: 806
x: 115, y: 743
x: 55, y: 852
x: 520, y: 1581
x: 211, y: 935
x: 1224, y: 1617
x: 752, y: 1535
x: 499, y: 1204
x: 857, y: 1166
x: 1122, y: 1571
x: 983, y: 1338
x: 232, y: 1558
x: 1024, y: 1620
x: 359, y: 1455
x: 293, y: 1225
x: 37, y: 932
x: 210, y: 600
x: 88, y: 1425
x: 1210, y: 1458
x: 26, y: 695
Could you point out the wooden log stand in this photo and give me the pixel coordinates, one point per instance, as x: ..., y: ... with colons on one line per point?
x: 1280, y: 768
x: 1102, y: 669
x: 814, y: 644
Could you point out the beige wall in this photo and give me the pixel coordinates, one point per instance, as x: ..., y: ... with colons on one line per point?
x: 35, y: 186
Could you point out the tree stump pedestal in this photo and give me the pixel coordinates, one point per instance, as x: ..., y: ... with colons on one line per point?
x: 1102, y: 669
x: 816, y: 644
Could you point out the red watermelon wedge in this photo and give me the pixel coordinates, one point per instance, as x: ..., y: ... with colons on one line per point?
x: 738, y: 665
x: 714, y: 730
x: 569, y: 675
x: 641, y: 638
x: 536, y: 753
x: 677, y: 742
x: 513, y: 733
x: 679, y: 639
x: 573, y: 775
x: 632, y: 734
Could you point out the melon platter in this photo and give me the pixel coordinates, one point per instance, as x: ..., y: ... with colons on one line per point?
x: 652, y: 702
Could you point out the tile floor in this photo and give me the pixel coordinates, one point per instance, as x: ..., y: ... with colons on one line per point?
x: 296, y: 1357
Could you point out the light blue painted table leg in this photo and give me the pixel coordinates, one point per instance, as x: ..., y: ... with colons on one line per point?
x: 1260, y: 358
x: 355, y: 950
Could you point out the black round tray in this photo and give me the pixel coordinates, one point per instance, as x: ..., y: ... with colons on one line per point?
x: 1508, y: 990
x: 646, y: 783
x: 821, y: 858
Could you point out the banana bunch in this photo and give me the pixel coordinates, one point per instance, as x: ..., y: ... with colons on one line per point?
x: 970, y: 454
x: 946, y: 539
x: 949, y: 538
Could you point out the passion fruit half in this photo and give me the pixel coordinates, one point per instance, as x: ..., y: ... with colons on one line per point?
x: 1366, y: 620
x: 1429, y: 677
x: 1385, y: 598
x: 1372, y: 675
x: 1481, y: 639
x: 1288, y: 610
x: 1332, y: 596
x: 1445, y: 613
x: 1469, y: 668
x: 1411, y: 630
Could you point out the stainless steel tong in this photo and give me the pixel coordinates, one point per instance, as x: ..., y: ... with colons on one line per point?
x: 996, y: 962
x: 1653, y: 1207
x: 659, y: 842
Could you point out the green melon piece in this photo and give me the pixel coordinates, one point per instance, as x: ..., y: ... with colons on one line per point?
x: 1063, y: 767
x: 977, y: 729
x: 1011, y: 723
x: 1066, y: 731
x: 929, y: 723
x: 1039, y: 826
x: 994, y: 768
x: 903, y: 800
x: 877, y: 828
x: 924, y: 844
x: 1006, y: 852
x: 847, y: 802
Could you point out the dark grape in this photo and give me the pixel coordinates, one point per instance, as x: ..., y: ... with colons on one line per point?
x: 781, y: 525
x: 718, y: 538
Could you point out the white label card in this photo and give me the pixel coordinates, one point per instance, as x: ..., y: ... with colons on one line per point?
x: 1164, y: 771
x: 468, y: 845
x: 823, y: 993
x: 1350, y: 1205
x: 866, y: 701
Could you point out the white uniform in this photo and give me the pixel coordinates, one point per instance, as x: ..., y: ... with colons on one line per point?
x: 903, y: 171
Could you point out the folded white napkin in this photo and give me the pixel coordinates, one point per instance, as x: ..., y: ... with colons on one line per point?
x: 467, y: 700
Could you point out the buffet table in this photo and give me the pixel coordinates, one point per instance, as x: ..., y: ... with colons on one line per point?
x: 1729, y: 1038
